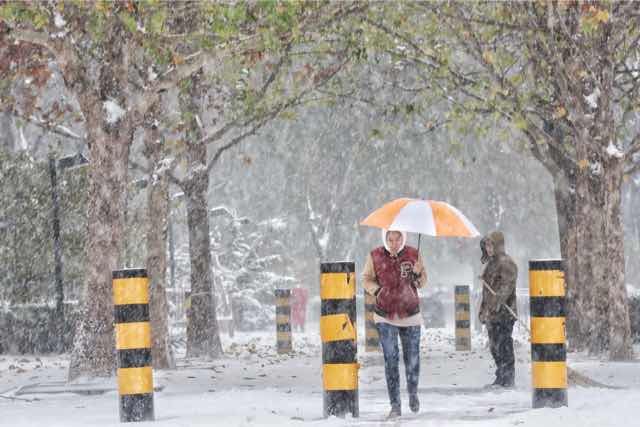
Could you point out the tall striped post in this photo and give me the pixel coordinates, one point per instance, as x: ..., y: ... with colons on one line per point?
x: 548, y: 348
x: 133, y: 343
x: 283, y: 320
x: 463, y: 318
x: 339, y: 338
x: 372, y: 340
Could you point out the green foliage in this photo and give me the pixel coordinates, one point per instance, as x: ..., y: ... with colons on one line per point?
x: 15, y: 12
x: 156, y: 22
x: 129, y: 21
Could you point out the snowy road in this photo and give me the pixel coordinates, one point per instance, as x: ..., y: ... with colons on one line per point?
x: 253, y: 386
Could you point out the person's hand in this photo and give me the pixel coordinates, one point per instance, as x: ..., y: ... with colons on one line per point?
x: 482, y: 317
x: 415, y: 279
x: 417, y: 269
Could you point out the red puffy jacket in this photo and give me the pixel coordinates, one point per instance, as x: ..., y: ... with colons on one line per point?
x: 397, y: 295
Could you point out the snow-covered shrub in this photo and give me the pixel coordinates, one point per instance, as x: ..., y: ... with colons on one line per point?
x: 31, y: 329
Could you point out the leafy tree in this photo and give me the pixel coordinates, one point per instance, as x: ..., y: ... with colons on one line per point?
x: 563, y: 75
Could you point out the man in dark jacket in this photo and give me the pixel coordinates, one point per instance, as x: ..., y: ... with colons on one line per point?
x: 498, y: 293
x: 392, y: 274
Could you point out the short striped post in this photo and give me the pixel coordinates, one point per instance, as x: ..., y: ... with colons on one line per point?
x: 133, y: 344
x: 372, y: 340
x: 548, y: 348
x: 339, y: 338
x: 283, y: 320
x: 463, y: 318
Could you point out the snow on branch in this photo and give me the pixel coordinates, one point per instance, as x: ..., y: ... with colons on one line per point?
x: 47, y: 125
x: 614, y: 151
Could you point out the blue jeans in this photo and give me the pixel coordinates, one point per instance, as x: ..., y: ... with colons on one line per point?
x: 410, y: 339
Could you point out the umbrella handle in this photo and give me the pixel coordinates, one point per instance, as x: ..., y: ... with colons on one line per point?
x: 419, y: 236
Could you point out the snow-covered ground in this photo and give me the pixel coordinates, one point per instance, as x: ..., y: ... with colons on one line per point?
x: 253, y: 386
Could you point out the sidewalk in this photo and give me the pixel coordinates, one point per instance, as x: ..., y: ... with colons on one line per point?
x: 253, y: 386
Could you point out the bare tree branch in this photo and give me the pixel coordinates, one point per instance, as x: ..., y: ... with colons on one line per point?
x: 33, y: 37
x: 261, y: 121
x: 54, y: 128
x: 151, y: 95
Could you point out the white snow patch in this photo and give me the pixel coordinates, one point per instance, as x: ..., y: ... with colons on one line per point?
x: 28, y: 80
x: 275, y: 224
x: 164, y: 165
x: 196, y: 170
x: 114, y: 111
x: 592, y: 99
x: 69, y: 131
x: 596, y: 168
x: 58, y: 20
x: 23, y: 141
x: 614, y: 151
x: 151, y: 73
x: 323, y: 241
x: 59, y: 34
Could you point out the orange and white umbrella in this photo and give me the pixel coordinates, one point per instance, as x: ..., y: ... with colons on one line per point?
x: 428, y: 217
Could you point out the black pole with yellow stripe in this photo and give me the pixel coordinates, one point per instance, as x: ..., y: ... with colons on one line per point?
x: 372, y: 340
x: 339, y: 338
x: 548, y: 347
x: 133, y: 343
x: 463, y: 318
x: 283, y: 320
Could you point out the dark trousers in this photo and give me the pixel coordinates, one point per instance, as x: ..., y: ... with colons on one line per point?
x: 410, y: 339
x: 501, y: 345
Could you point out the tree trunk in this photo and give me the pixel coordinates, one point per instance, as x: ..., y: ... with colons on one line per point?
x: 158, y: 211
x: 620, y: 345
x: 631, y: 205
x: 600, y: 253
x: 565, y: 198
x: 7, y: 138
x: 94, y: 347
x: 203, y: 335
x: 590, y: 227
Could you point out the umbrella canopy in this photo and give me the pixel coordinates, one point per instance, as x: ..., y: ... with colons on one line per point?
x: 429, y: 217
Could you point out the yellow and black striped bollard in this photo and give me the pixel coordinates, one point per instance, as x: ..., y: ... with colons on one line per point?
x: 463, y: 318
x: 548, y: 347
x: 372, y: 339
x: 339, y: 338
x: 133, y: 343
x: 283, y: 320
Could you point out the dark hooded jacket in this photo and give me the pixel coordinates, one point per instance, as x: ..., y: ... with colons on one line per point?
x: 500, y: 274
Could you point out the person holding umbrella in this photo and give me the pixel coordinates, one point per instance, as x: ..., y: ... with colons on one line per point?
x: 392, y: 273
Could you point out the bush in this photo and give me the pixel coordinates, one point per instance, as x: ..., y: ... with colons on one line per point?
x: 31, y: 329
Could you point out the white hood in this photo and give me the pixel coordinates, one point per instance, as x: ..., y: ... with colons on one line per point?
x: 384, y: 239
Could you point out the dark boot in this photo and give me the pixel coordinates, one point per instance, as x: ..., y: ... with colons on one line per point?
x: 414, y: 403
x: 395, y: 412
x: 507, y: 381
